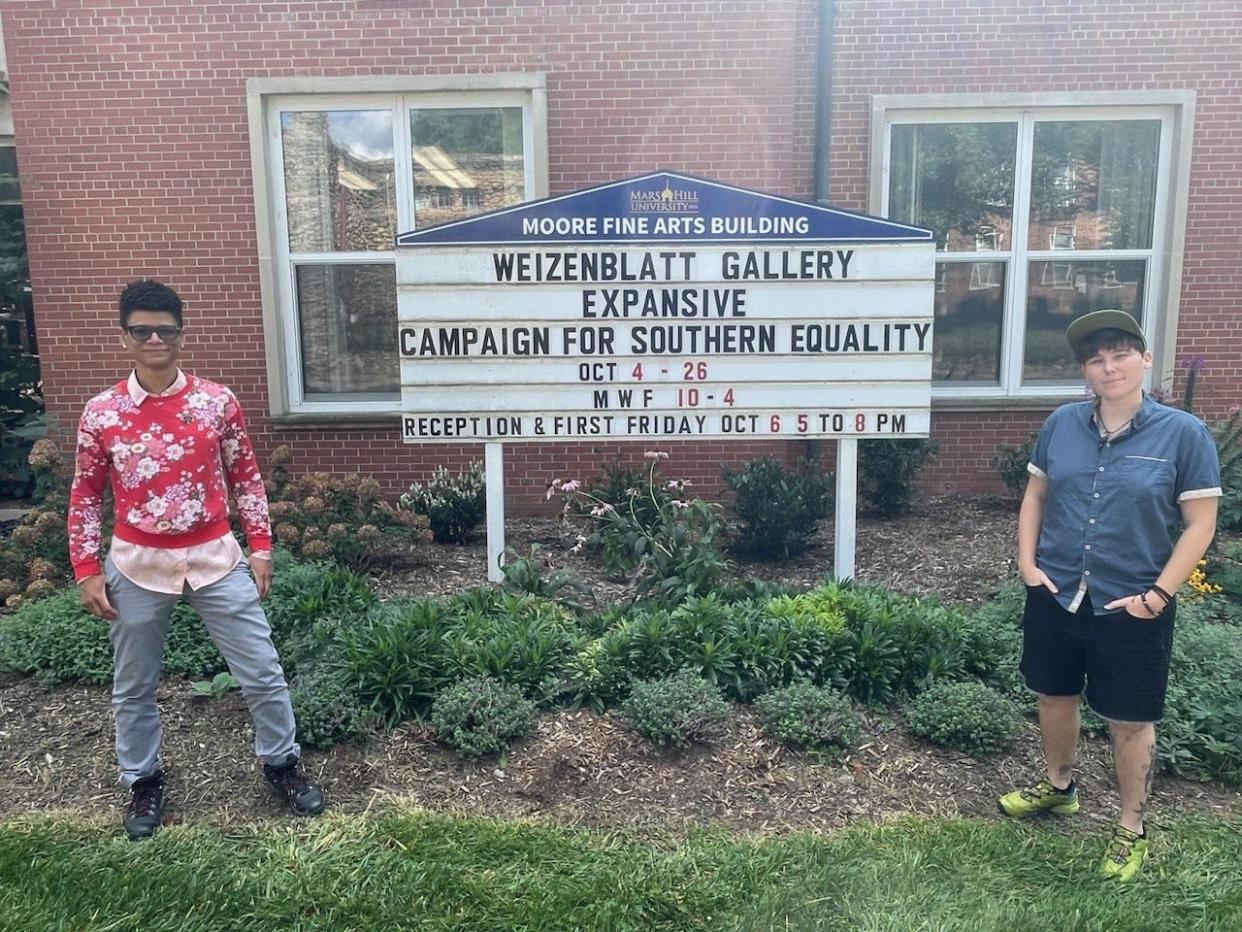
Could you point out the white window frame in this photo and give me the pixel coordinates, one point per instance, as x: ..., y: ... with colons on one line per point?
x: 1174, y: 110
x: 267, y: 99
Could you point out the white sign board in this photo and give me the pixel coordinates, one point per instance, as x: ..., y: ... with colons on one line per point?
x: 665, y: 307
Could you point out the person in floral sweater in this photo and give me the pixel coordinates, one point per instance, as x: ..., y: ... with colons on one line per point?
x: 173, y: 448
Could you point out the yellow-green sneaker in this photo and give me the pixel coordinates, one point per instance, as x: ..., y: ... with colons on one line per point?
x: 1042, y: 797
x: 1126, y: 853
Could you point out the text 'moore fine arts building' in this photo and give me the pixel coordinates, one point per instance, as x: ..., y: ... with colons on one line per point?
x: 264, y: 157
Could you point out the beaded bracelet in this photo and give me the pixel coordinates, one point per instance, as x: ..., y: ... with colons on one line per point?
x: 1150, y: 610
x: 1160, y: 592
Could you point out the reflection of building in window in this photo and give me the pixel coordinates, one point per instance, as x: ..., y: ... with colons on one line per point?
x: 1062, y: 237
x: 984, y: 275
x: 989, y: 239
x: 441, y: 181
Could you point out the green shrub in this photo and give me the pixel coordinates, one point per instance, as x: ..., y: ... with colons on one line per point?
x: 1010, y: 463
x: 481, y: 715
x: 521, y: 640
x: 969, y: 717
x: 887, y: 470
x: 809, y: 716
x: 1201, y: 734
x: 395, y: 658
x: 454, y: 505
x: 669, y: 546
x: 327, y: 710
x: 779, y: 508
x: 321, y: 516
x: 218, y: 686
x: 57, y: 641
x: 680, y: 710
x: 529, y: 575
x: 1228, y: 436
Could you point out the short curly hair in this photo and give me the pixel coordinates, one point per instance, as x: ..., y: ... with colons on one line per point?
x: 149, y: 295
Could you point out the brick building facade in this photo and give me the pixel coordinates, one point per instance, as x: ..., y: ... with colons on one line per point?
x: 1073, y: 154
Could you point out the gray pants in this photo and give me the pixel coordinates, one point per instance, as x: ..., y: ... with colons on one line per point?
x: 239, y: 629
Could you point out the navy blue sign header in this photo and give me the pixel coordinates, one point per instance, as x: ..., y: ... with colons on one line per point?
x: 665, y: 207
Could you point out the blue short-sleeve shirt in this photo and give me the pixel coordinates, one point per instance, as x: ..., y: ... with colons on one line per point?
x: 1113, y: 504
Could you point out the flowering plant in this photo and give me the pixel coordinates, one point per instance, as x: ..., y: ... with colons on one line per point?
x: 650, y: 530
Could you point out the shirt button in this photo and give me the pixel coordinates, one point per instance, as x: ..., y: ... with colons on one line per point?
x: 1096, y: 495
x: 1108, y: 444
x: 1088, y: 547
x: 1101, y: 469
x: 1086, y: 572
x: 1092, y: 521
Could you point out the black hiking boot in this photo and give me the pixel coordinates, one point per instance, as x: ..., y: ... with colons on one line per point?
x: 146, y: 807
x: 291, y: 785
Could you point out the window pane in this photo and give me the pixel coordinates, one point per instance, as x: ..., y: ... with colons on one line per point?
x: 348, y: 322
x: 1060, y: 292
x: 956, y: 179
x: 1093, y: 184
x: 466, y: 162
x: 339, y: 185
x: 970, y: 305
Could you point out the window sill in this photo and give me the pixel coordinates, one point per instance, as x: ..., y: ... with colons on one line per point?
x: 335, y: 420
x: 1026, y: 403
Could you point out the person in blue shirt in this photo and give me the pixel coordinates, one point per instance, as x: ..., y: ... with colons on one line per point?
x: 1111, y: 481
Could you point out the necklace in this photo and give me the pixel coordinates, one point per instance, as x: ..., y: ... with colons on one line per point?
x: 1111, y: 432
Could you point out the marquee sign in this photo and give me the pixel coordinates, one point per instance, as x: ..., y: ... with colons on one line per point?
x: 663, y: 307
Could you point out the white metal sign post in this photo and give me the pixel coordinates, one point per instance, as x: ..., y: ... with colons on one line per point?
x: 660, y: 308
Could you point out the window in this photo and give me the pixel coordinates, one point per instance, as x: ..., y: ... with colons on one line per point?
x: 346, y: 172
x: 1041, y: 213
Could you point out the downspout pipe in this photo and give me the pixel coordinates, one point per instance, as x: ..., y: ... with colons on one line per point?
x: 822, y: 159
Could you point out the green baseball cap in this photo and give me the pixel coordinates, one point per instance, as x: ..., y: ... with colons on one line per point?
x: 1082, y: 328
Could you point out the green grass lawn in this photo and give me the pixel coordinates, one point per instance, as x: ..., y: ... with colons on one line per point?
x: 420, y: 870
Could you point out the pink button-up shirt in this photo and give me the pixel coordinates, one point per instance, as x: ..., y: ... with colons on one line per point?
x: 161, y: 569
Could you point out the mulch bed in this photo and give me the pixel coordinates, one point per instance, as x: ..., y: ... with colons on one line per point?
x: 581, y: 769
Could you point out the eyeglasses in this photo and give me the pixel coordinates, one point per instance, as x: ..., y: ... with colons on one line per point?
x: 141, y: 333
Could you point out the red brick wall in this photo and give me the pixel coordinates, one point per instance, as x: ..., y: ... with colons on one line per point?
x: 131, y: 128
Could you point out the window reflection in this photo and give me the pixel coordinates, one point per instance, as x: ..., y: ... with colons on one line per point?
x: 956, y: 179
x: 465, y: 162
x: 339, y: 184
x: 969, y: 310
x: 1093, y: 184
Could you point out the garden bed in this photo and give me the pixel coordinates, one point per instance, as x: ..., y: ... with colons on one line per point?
x: 579, y: 768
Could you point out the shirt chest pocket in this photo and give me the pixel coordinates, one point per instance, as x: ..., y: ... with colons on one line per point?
x: 1147, y: 476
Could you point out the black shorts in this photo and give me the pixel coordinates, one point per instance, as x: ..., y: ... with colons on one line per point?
x: 1123, y: 660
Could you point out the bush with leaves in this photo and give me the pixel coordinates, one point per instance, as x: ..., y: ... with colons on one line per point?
x: 887, y: 471
x: 813, y: 717
x: 327, y: 710
x: 34, y: 558
x: 680, y: 710
x: 533, y: 575
x: 481, y: 716
x: 667, y: 542
x: 1010, y: 463
x: 968, y: 717
x: 1228, y: 436
x: 321, y: 516
x: 454, y: 505
x: 1201, y: 733
x: 780, y: 509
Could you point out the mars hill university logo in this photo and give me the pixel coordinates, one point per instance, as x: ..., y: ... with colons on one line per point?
x: 667, y: 201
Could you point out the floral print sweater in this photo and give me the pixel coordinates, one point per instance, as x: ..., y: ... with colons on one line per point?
x: 172, y: 462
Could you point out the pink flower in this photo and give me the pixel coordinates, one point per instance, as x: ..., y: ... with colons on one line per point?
x: 679, y: 503
x: 577, y: 547
x: 600, y: 510
x: 655, y: 455
x: 571, y: 486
